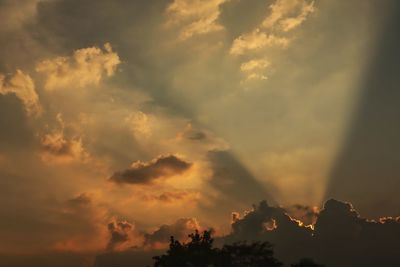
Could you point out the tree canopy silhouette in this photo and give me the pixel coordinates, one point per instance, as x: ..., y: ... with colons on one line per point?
x: 199, y: 252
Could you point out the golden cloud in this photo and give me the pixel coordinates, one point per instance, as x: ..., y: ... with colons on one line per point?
x: 23, y: 87
x: 194, y: 16
x: 87, y: 66
x: 255, y: 40
x: 288, y: 14
x: 57, y: 147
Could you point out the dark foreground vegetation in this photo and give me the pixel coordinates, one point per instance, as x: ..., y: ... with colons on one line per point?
x: 199, y: 252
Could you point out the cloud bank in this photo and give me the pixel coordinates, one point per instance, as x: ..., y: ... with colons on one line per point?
x: 339, y: 237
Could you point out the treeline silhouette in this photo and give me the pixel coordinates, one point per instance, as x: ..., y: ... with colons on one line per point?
x: 199, y: 252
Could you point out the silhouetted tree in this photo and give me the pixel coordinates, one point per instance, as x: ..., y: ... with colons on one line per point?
x: 306, y: 263
x: 199, y: 252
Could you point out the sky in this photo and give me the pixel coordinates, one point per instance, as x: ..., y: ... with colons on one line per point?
x: 122, y: 122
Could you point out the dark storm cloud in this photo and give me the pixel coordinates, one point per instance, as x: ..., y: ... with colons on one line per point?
x: 341, y: 237
x: 367, y: 170
x: 148, y: 172
x: 306, y: 214
x: 340, y: 230
x: 265, y: 222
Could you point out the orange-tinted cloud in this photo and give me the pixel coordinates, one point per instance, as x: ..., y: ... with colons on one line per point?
x: 179, y: 229
x: 87, y: 66
x: 194, y: 17
x: 173, y: 197
x: 23, y: 87
x: 57, y: 147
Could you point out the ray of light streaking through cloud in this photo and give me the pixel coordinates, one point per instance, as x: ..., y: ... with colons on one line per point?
x: 125, y: 122
x: 366, y: 172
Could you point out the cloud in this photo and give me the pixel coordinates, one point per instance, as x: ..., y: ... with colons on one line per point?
x: 87, y: 66
x: 198, y: 141
x: 80, y: 225
x: 128, y: 247
x: 124, y: 235
x: 338, y: 230
x: 55, y: 144
x: 173, y: 197
x: 256, y: 40
x: 254, y: 224
x: 273, y: 118
x: 283, y: 17
x: 195, y: 17
x: 140, y: 124
x: 82, y: 199
x: 193, y: 134
x: 148, y: 172
x: 286, y: 15
x: 255, y: 69
x: 56, y: 147
x: 119, y: 233
x: 254, y: 64
x: 23, y: 87
x: 180, y: 230
x: 306, y: 214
